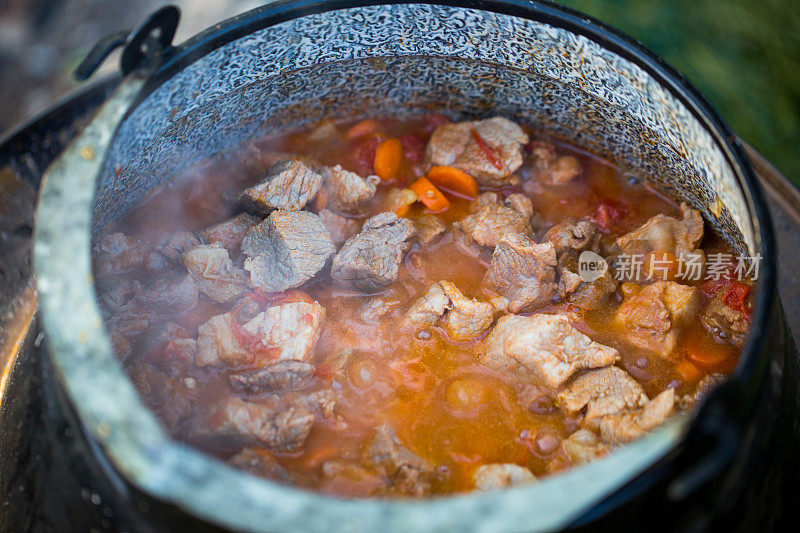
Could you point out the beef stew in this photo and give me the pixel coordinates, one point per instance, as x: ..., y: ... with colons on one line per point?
x: 407, y: 307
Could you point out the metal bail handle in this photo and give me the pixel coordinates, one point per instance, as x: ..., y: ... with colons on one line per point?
x: 144, y: 45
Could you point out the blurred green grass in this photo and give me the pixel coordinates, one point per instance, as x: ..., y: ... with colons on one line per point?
x: 744, y: 55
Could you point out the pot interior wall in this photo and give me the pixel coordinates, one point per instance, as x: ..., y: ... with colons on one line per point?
x: 398, y: 60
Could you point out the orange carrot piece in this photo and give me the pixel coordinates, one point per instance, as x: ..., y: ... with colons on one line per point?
x: 403, y: 210
x: 454, y: 180
x: 429, y: 195
x: 363, y: 128
x: 388, y: 158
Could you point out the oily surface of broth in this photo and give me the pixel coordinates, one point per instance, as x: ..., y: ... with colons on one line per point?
x: 443, y: 404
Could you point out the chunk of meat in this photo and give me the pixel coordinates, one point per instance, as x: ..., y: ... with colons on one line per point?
x: 409, y: 473
x: 570, y: 238
x: 171, y: 251
x: 170, y: 400
x: 665, y: 234
x: 370, y: 261
x: 488, y: 150
x: 343, y: 478
x: 593, y: 295
x: 231, y: 233
x: 289, y: 186
x: 652, y: 316
x: 584, y: 446
x: 543, y: 347
x: 286, y: 250
x: 701, y: 390
x: 551, y: 167
x: 214, y: 273
x: 524, y: 272
x: 171, y: 294
x: 629, y: 426
x: 121, y: 345
x: 428, y: 228
x: 117, y: 254
x: 345, y: 191
x: 217, y: 342
x: 280, y: 424
x: 131, y: 319
x: 604, y: 391
x: 173, y: 345
x: 568, y: 282
x: 282, y: 332
x: 498, y: 476
x: 724, y: 323
x: 444, y: 305
x: 491, y: 218
x: 261, y: 463
x: 341, y: 228
x: 281, y: 376
x: 376, y: 308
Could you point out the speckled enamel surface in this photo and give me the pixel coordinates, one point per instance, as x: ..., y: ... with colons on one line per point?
x: 411, y: 58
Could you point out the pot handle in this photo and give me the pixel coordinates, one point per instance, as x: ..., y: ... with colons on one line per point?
x: 143, y: 47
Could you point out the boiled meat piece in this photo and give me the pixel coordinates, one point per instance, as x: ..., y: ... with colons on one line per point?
x: 491, y: 217
x: 461, y: 317
x: 488, y: 150
x: 282, y: 332
x: 215, y: 274
x: 370, y: 261
x: 286, y: 250
x: 231, y: 233
x: 345, y: 191
x: 289, y: 186
x: 543, y: 347
x: 498, y: 476
x: 653, y: 315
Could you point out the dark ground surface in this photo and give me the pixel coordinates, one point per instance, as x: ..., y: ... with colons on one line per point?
x: 743, y: 54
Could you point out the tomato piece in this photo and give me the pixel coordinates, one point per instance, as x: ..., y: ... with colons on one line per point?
x: 432, y: 121
x: 736, y: 297
x: 608, y: 214
x: 364, y: 154
x: 487, y: 150
x: 413, y: 147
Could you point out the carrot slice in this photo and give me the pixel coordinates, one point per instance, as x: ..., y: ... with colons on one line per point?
x: 429, y: 195
x: 363, y: 128
x: 454, y: 180
x: 388, y: 158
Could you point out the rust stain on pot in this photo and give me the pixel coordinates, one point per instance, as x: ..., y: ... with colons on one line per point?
x: 87, y: 153
x: 104, y: 430
x: 716, y: 207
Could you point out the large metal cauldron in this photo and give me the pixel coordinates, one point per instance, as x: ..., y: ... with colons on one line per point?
x: 292, y: 63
